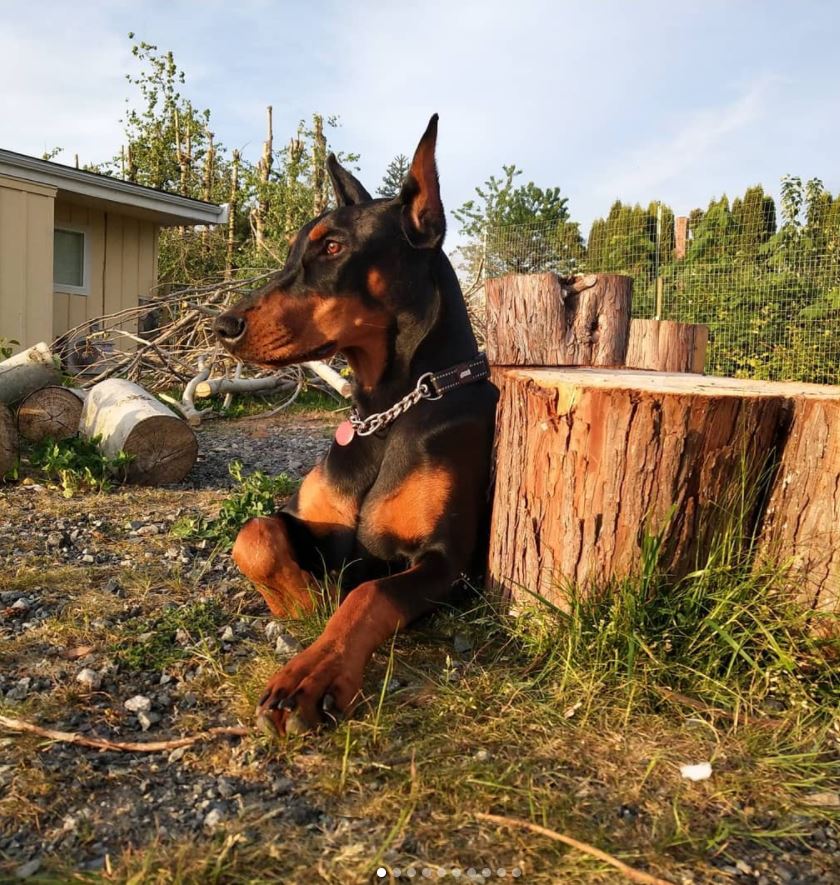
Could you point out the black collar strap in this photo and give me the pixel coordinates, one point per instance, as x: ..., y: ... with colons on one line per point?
x: 477, y: 369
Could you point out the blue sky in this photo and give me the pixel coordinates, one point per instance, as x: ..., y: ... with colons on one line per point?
x: 609, y: 99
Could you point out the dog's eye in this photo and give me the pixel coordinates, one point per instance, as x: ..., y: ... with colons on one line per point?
x: 332, y: 247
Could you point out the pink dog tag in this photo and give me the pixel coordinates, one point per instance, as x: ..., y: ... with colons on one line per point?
x: 344, y: 433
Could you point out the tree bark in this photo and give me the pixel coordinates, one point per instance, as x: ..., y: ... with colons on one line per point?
x: 8, y: 440
x: 590, y: 461
x: 801, y: 526
x: 666, y: 346
x: 233, y: 208
x: 52, y: 412
x: 127, y: 418
x: 27, y: 371
x: 546, y: 320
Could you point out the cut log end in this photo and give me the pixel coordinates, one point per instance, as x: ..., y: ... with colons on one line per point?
x: 52, y: 412
x: 666, y: 346
x: 163, y: 450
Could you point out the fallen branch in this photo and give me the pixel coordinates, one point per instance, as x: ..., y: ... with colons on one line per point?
x: 631, y: 873
x: 71, y: 737
x: 328, y: 374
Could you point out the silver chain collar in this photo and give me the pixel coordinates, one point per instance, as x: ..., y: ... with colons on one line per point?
x: 378, y: 420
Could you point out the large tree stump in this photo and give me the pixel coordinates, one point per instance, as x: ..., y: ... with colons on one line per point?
x: 802, y: 522
x: 52, y: 412
x: 546, y: 320
x: 666, y: 346
x: 589, y: 461
x: 127, y: 418
x: 8, y: 440
x: 27, y: 371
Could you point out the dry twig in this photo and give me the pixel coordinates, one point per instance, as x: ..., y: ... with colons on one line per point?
x: 633, y: 874
x: 71, y: 737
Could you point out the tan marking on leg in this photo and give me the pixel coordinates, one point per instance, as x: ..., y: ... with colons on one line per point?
x: 412, y: 511
x: 322, y: 507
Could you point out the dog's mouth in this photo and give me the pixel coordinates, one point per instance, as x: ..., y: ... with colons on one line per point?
x: 319, y: 353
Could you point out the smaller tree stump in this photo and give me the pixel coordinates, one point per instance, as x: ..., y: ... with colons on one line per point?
x: 666, y: 346
x: 127, y: 418
x: 52, y: 412
x: 8, y: 440
x: 546, y: 320
x: 27, y: 371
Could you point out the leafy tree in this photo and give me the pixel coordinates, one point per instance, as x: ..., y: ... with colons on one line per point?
x: 518, y: 229
x: 395, y: 174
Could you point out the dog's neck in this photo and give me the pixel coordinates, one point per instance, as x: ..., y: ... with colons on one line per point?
x: 430, y: 339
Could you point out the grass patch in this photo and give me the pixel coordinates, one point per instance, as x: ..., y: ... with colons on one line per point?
x: 254, y: 495
x: 161, y: 639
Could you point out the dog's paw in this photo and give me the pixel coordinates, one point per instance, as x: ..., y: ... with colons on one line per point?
x: 319, y: 685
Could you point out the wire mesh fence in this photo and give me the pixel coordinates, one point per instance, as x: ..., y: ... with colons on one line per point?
x: 771, y: 298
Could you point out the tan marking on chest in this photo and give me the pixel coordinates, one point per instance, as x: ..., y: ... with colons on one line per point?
x: 413, y: 510
x: 323, y: 507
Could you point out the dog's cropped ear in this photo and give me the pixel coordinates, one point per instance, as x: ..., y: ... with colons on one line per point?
x: 348, y: 189
x: 422, y: 210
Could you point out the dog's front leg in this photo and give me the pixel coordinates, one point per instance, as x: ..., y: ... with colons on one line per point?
x: 329, y: 673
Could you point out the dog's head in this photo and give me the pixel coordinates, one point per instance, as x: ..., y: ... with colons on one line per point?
x: 350, y: 272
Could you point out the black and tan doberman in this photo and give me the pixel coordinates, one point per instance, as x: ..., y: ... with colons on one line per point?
x: 402, y: 493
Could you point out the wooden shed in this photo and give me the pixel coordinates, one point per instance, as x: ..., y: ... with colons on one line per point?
x: 75, y: 245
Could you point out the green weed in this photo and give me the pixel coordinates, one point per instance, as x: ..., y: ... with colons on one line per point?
x: 76, y: 464
x: 254, y: 495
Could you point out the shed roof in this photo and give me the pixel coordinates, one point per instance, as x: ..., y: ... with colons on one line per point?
x: 92, y: 188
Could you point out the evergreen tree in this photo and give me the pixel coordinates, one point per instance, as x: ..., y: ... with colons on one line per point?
x: 395, y: 174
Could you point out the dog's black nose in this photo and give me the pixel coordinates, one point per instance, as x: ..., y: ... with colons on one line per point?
x: 229, y: 326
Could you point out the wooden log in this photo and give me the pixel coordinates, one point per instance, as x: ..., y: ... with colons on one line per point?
x: 8, y: 440
x: 127, y: 418
x: 27, y: 371
x: 51, y: 412
x: 589, y: 461
x: 801, y: 526
x: 546, y: 320
x: 666, y: 346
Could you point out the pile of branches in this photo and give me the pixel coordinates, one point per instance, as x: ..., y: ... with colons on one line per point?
x: 167, y: 343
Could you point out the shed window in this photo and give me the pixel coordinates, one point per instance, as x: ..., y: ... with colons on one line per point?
x: 69, y: 260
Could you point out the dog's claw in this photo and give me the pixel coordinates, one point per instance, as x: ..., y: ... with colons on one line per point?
x: 267, y: 725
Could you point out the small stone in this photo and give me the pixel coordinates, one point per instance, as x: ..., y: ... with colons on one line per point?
x: 286, y: 646
x: 213, y: 818
x: 138, y: 704
x: 699, y: 772
x: 227, y: 634
x: 22, y: 605
x: 165, y: 679
x: 272, y: 631
x: 823, y: 799
x: 24, y: 871
x: 481, y: 755
x: 177, y: 754
x: 461, y: 643
x: 88, y: 558
x: 147, y: 720
x: 90, y: 679
x: 393, y: 685
x: 145, y: 530
x: 56, y: 539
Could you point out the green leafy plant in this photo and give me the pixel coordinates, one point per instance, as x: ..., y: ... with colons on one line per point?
x: 77, y: 465
x: 254, y: 495
x: 7, y: 345
x: 165, y: 639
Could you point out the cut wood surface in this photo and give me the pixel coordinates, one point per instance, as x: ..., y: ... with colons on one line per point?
x: 50, y: 412
x: 162, y: 446
x: 666, y: 346
x: 27, y: 371
x: 8, y: 440
x: 589, y: 460
x: 802, y: 522
x: 546, y: 320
